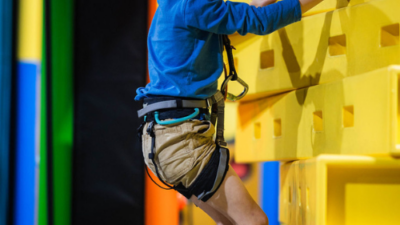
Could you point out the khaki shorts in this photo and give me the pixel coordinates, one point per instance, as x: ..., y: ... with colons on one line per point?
x: 182, y: 150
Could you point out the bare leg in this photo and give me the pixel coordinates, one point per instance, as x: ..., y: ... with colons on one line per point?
x: 218, y: 217
x: 234, y: 202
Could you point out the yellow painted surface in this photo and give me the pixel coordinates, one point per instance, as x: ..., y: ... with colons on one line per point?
x: 287, y: 204
x: 192, y: 215
x: 330, y: 5
x: 230, y: 121
x: 346, y: 190
x: 279, y: 121
x: 357, y: 115
x: 30, y: 29
x: 319, y: 49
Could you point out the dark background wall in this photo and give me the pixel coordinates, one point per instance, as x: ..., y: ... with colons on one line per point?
x: 110, y: 63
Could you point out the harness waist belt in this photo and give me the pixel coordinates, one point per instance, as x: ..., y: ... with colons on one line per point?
x: 172, y: 104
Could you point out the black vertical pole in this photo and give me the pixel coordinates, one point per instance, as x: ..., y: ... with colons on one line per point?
x: 13, y: 120
x: 110, y: 64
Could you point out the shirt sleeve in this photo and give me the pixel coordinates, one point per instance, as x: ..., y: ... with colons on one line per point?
x: 221, y: 17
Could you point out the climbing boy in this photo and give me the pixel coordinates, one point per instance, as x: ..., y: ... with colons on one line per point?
x: 182, y: 104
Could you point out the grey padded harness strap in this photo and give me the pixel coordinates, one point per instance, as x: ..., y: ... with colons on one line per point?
x: 172, y: 104
x: 217, y: 100
x: 223, y: 158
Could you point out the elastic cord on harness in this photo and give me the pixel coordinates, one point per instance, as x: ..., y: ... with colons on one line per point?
x: 174, y: 121
x: 150, y: 131
x: 148, y: 174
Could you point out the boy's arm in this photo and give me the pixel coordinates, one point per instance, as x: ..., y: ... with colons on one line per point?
x: 221, y: 17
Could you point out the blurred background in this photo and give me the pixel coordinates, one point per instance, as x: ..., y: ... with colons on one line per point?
x: 69, y: 153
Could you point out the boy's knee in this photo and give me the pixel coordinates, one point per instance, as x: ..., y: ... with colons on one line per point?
x: 262, y: 219
x: 265, y: 221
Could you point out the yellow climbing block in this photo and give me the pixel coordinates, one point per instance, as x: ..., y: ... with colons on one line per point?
x: 356, y: 115
x: 335, y: 189
x: 320, y: 49
x: 270, y: 129
x: 330, y: 5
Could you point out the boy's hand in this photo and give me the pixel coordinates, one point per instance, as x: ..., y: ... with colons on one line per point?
x: 261, y: 3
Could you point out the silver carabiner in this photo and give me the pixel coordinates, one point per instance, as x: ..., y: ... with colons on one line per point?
x: 232, y: 97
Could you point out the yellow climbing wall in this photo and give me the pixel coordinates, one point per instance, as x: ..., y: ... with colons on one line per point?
x: 324, y: 100
x: 320, y: 49
x: 356, y: 115
x: 337, y: 189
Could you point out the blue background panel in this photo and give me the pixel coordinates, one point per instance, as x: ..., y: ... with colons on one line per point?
x: 27, y: 143
x: 270, y: 191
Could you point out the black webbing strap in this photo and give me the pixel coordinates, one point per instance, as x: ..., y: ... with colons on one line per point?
x: 231, y: 62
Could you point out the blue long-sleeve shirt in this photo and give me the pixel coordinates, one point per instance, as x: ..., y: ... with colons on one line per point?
x: 185, y: 45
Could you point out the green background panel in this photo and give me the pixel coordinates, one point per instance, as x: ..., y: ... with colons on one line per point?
x: 62, y: 106
x: 42, y: 215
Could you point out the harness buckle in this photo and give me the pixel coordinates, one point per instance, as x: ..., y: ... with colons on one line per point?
x: 222, y: 144
x: 150, y: 130
x: 151, y: 156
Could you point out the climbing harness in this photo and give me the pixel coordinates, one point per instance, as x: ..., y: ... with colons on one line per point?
x: 217, y: 104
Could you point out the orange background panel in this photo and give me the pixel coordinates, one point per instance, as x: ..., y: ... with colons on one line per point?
x: 161, y: 206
